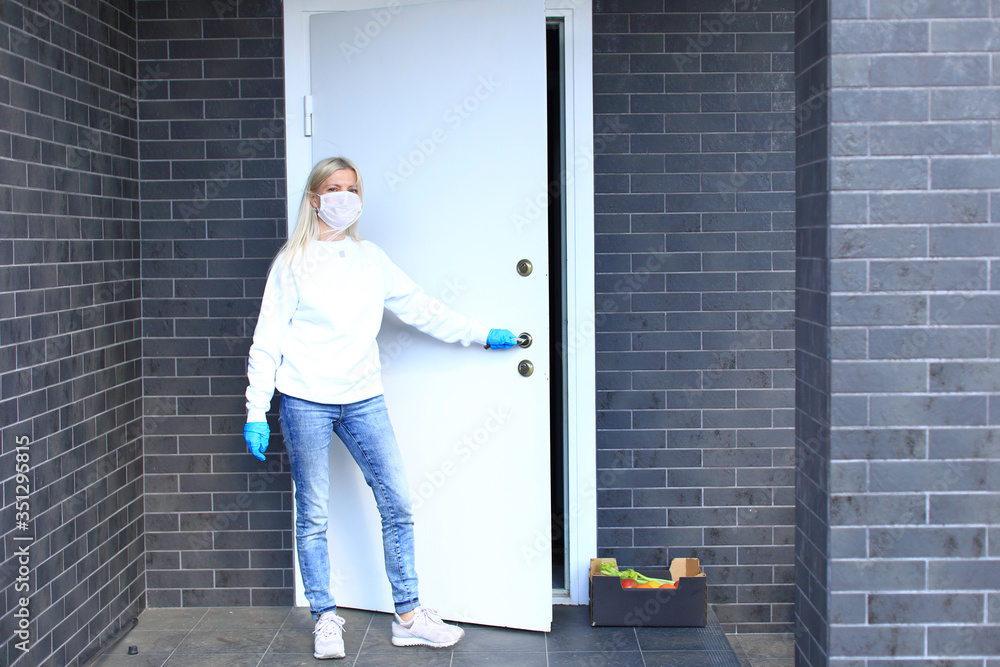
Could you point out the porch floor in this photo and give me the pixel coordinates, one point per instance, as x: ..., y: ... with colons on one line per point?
x: 282, y: 637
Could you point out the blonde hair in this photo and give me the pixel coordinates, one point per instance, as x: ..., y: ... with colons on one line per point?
x: 307, y: 224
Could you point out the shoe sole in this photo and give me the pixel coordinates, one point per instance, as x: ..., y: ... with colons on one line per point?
x: 417, y: 641
x: 332, y: 656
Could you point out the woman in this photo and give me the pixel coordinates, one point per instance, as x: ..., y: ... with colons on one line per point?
x: 315, y: 343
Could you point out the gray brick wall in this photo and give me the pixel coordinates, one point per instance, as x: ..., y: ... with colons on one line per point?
x: 912, y: 315
x: 70, y: 347
x: 211, y: 139
x: 912, y: 252
x: 812, y: 333
x: 694, y: 121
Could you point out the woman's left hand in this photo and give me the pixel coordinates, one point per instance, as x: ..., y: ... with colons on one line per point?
x: 500, y: 339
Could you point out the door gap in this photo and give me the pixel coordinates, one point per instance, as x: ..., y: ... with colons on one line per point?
x: 555, y: 45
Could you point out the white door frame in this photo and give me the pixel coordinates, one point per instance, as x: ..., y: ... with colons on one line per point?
x: 581, y: 463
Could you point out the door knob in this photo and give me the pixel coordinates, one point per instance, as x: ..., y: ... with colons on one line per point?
x: 524, y: 340
x: 525, y: 368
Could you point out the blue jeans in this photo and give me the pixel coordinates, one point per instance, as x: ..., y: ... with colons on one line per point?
x: 365, y: 429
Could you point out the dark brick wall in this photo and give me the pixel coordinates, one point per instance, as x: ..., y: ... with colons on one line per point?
x: 694, y: 121
x: 211, y: 141
x: 70, y: 346
x: 914, y: 313
x: 812, y: 332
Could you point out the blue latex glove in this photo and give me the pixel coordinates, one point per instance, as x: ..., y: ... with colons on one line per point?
x: 500, y: 339
x: 257, y: 434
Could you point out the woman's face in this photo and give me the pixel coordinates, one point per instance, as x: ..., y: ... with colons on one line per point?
x: 340, y: 180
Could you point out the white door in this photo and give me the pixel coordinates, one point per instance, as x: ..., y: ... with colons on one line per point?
x: 442, y: 106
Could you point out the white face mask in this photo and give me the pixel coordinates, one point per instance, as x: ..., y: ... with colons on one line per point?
x: 339, y: 210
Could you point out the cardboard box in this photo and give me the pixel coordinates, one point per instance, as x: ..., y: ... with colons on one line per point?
x: 684, y: 606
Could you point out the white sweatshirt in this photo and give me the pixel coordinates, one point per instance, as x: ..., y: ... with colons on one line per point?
x: 315, y: 337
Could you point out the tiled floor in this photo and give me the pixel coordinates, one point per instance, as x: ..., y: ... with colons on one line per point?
x: 764, y: 650
x: 282, y: 637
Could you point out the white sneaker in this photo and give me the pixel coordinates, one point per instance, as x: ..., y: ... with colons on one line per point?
x: 329, y: 640
x: 425, y: 628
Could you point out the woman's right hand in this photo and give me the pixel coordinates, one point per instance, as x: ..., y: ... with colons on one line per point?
x: 257, y: 435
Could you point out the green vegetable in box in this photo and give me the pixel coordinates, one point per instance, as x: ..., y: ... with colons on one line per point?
x: 632, y: 579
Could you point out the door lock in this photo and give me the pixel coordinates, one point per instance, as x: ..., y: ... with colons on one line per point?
x: 524, y: 340
x: 524, y: 267
x: 525, y: 368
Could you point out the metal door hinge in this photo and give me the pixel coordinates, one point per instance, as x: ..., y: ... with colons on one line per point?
x: 308, y: 103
